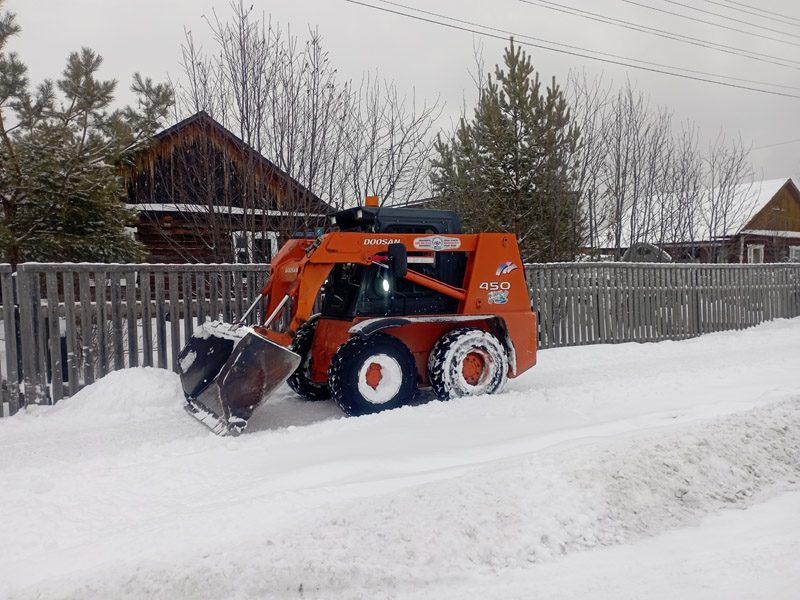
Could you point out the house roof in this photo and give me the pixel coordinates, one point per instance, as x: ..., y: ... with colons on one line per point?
x: 163, y: 144
x: 718, y: 214
x: 748, y: 199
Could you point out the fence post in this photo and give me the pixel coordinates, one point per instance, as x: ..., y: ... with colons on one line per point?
x: 11, y: 331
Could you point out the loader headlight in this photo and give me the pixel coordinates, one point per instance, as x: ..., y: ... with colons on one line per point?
x: 385, y: 285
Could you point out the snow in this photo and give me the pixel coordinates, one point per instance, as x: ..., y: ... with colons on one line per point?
x: 664, y: 470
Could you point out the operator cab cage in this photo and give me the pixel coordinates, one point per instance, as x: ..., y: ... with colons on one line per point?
x: 361, y: 290
x: 375, y: 219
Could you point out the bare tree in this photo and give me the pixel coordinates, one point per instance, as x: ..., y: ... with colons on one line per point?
x: 729, y: 180
x: 590, y: 104
x: 640, y: 180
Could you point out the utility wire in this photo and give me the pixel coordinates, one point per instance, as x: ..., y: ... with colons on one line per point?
x: 769, y: 12
x: 678, y: 37
x: 674, y: 14
x: 518, y: 35
x: 773, y: 145
x: 713, y: 14
x: 570, y: 52
x: 783, y: 18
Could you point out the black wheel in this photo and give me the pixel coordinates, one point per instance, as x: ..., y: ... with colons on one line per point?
x: 467, y: 362
x: 368, y: 376
x: 300, y: 380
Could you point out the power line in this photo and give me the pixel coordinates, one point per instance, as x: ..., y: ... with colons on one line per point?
x: 654, y: 64
x: 678, y: 37
x: 769, y: 12
x: 773, y: 145
x: 783, y: 18
x: 570, y: 52
x: 713, y: 14
x: 674, y: 14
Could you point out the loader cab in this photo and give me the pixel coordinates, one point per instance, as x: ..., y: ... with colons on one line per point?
x: 369, y: 290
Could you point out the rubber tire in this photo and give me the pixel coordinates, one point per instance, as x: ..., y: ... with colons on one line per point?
x: 300, y: 380
x: 354, y: 356
x: 446, y: 360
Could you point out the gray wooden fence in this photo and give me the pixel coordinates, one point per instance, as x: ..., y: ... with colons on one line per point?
x: 590, y: 303
x: 70, y: 324
x: 66, y: 325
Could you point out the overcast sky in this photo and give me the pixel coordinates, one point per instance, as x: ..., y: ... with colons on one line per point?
x: 431, y: 60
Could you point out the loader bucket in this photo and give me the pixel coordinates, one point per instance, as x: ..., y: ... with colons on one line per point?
x: 227, y: 371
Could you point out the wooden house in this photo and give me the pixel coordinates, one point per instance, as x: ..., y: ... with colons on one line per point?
x: 772, y: 234
x: 755, y: 223
x: 203, y: 195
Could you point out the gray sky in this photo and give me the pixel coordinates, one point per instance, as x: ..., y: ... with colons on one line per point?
x: 431, y: 61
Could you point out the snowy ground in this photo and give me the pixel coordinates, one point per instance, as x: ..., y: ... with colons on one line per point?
x: 667, y: 470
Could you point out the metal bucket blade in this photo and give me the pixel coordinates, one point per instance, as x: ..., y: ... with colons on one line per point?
x: 227, y: 371
x: 201, y: 360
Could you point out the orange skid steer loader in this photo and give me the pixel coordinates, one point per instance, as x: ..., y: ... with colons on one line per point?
x: 405, y: 301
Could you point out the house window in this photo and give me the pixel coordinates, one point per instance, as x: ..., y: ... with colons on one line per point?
x: 254, y: 246
x: 794, y: 253
x: 755, y: 253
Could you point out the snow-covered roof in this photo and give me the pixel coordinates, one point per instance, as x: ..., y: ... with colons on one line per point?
x: 717, y: 213
x: 746, y: 200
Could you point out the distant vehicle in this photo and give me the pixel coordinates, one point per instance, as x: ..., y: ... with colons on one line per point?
x: 644, y: 252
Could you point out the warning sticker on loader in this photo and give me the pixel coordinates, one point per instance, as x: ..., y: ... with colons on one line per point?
x: 436, y: 243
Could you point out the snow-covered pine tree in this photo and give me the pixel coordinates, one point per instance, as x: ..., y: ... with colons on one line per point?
x: 61, y: 149
x: 510, y: 167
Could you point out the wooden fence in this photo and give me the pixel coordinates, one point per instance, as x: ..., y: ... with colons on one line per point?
x: 70, y: 324
x: 591, y: 303
x: 66, y: 325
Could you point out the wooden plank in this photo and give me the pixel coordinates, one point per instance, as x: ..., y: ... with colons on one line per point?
x: 88, y: 352
x: 132, y: 318
x: 174, y: 321
x: 550, y: 322
x: 214, y: 296
x: 116, y: 331
x: 227, y: 302
x: 102, y: 323
x: 11, y: 329
x: 160, y: 324
x: 580, y: 304
x: 71, y: 318
x: 28, y: 335
x: 145, y: 293
x: 239, y: 305
x: 187, y: 305
x: 200, y: 297
x: 54, y: 337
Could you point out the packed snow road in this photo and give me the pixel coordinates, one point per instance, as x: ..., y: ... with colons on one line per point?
x: 116, y: 492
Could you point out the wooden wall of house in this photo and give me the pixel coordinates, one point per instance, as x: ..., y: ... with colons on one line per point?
x: 782, y: 213
x: 171, y: 239
x: 174, y: 238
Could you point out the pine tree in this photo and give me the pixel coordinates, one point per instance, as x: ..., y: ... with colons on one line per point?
x: 61, y: 149
x: 509, y: 168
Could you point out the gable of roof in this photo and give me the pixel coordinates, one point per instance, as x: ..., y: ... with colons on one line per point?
x: 201, y: 126
x: 780, y: 214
